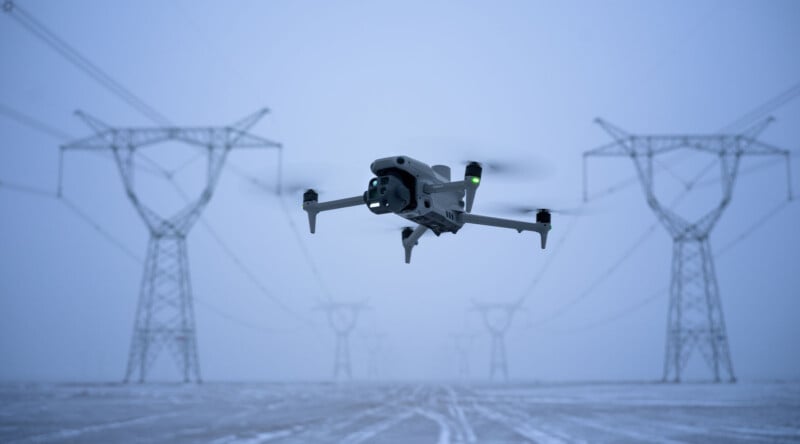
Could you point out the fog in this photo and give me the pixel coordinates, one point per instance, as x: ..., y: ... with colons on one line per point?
x: 442, y: 82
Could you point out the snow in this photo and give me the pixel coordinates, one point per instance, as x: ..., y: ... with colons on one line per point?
x: 252, y: 413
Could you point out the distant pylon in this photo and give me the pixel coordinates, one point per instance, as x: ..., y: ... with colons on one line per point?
x: 694, y: 319
x: 374, y: 345
x: 497, y: 319
x: 165, y: 311
x: 462, y: 343
x: 342, y: 318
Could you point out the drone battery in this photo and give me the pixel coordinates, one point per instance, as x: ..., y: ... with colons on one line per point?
x: 387, y: 194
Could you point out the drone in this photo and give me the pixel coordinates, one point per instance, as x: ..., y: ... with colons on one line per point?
x: 426, y: 196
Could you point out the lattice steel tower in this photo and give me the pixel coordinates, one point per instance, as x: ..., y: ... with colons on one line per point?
x: 165, y: 311
x: 374, y: 344
x: 462, y: 344
x: 694, y: 318
x: 342, y: 318
x: 497, y: 319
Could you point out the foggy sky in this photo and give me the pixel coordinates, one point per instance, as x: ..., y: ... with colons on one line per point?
x: 349, y: 82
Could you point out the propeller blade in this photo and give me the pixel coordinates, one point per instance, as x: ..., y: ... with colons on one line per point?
x: 532, y: 209
x: 514, y: 168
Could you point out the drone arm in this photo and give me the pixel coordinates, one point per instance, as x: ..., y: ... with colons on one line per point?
x: 520, y: 226
x: 411, y: 238
x: 312, y: 207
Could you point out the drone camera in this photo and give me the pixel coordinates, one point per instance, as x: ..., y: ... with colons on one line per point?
x: 543, y: 217
x: 387, y: 194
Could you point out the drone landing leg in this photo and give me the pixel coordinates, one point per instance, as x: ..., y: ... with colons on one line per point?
x: 411, y: 238
x: 312, y: 207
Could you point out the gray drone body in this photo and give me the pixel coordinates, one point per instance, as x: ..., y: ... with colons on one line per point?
x: 426, y: 196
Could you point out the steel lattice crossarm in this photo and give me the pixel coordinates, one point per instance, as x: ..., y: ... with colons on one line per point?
x: 643, y: 148
x: 626, y: 144
x: 497, y: 324
x: 217, y: 142
x: 729, y: 148
x: 227, y: 137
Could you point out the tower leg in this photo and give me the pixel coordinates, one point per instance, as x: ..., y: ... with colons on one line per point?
x: 165, y: 312
x: 498, y: 364
x: 347, y: 370
x: 694, y: 318
x: 341, y: 362
x: 501, y: 346
x: 718, y: 336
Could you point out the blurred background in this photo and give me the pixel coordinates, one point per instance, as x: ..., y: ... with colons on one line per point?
x: 350, y: 82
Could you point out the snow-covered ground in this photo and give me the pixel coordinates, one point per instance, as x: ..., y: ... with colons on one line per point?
x: 400, y: 413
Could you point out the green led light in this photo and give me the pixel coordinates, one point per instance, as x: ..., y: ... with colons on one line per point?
x: 375, y: 182
x: 476, y: 180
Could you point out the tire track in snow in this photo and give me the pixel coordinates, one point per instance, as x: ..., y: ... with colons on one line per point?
x: 77, y: 432
x: 454, y: 407
x: 441, y: 421
x: 376, y: 428
x: 522, y: 428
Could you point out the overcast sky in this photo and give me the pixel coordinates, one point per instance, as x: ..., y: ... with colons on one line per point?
x: 349, y: 82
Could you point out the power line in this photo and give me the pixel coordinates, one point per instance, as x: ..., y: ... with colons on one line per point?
x: 33, y: 123
x: 81, y: 62
x: 304, y: 249
x: 754, y: 227
x: 748, y: 170
x: 558, y: 247
x: 41, y: 127
x: 48, y: 130
x: 312, y: 265
x: 40, y: 31
x: 759, y: 112
x: 633, y: 308
x: 695, y: 319
x: 764, y: 109
x: 233, y: 319
x: 597, y: 281
x: 82, y: 214
x: 77, y: 59
x: 75, y: 209
x: 251, y: 276
x: 27, y: 189
x: 624, y: 257
x: 234, y: 258
x: 105, y: 80
x: 636, y: 306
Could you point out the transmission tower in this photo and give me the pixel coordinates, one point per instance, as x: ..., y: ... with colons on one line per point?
x: 497, y: 319
x: 342, y: 318
x: 462, y: 343
x: 165, y: 312
x: 694, y: 317
x: 375, y: 343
